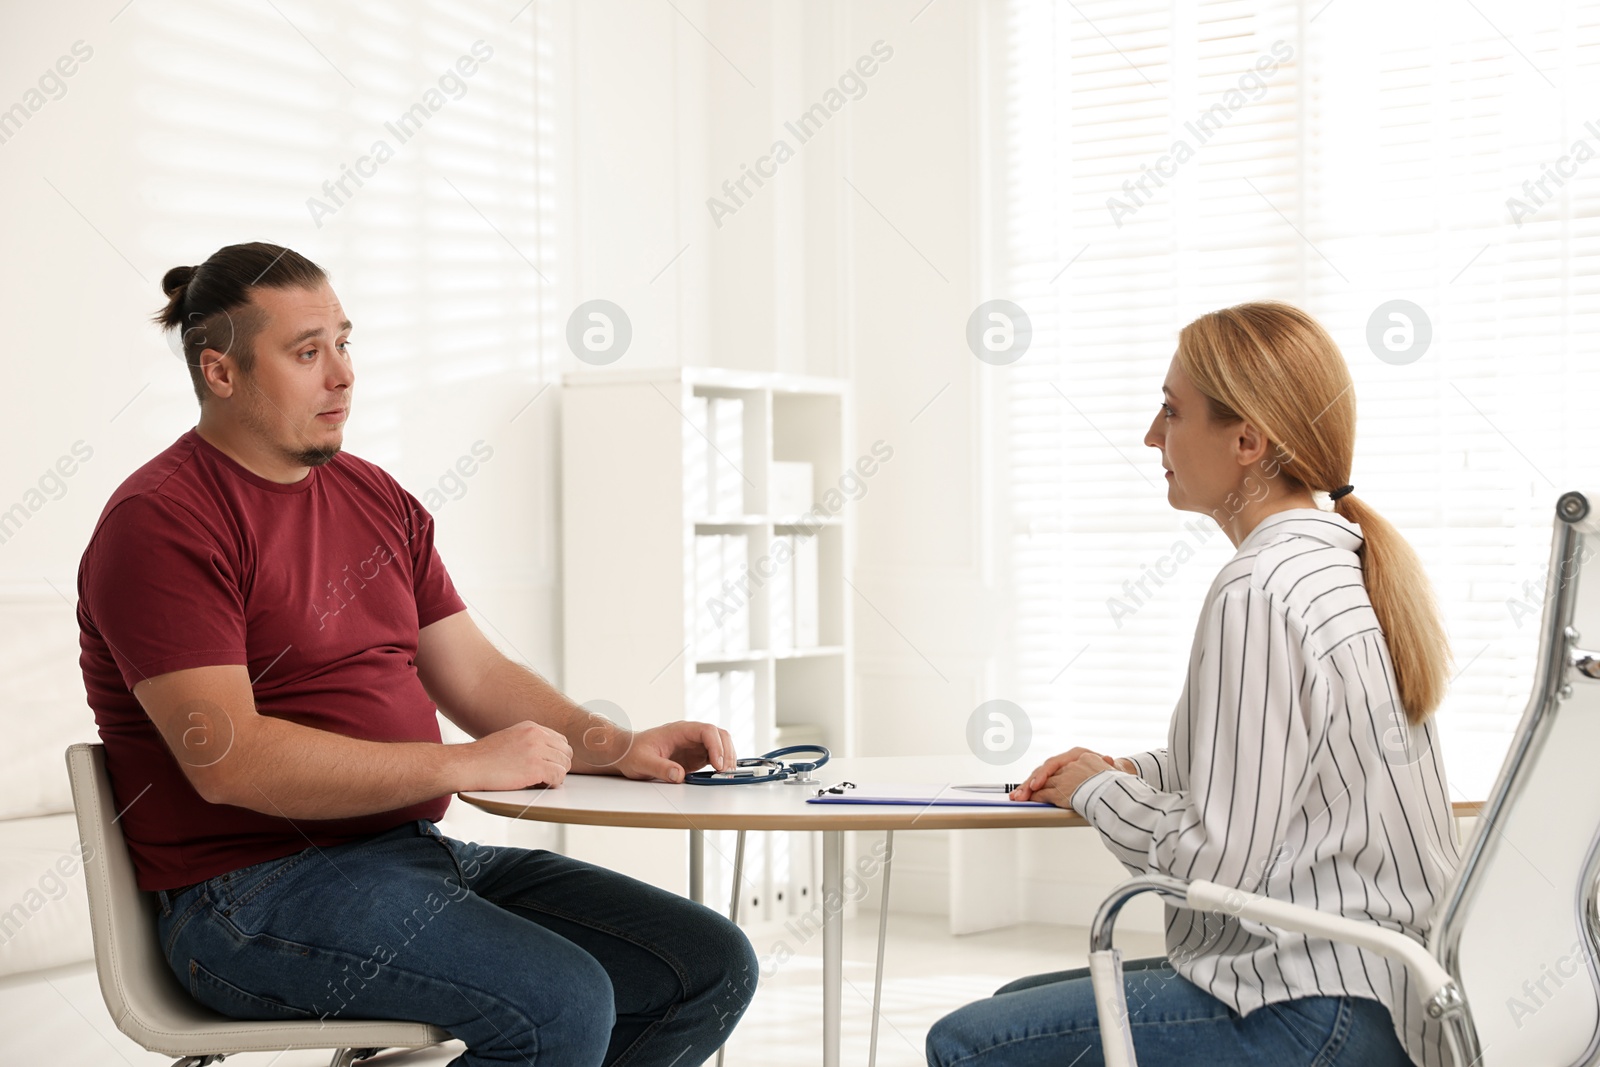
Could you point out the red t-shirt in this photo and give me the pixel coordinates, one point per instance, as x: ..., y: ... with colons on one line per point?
x: 319, y: 588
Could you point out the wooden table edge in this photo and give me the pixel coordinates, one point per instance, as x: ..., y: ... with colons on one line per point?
x: 893, y: 817
x: 932, y: 818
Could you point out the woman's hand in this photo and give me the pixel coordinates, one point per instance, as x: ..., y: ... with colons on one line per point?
x: 1060, y: 776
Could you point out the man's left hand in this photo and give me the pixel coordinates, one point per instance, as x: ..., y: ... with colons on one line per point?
x: 667, y: 753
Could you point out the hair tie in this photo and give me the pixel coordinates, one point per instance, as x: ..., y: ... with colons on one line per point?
x: 1342, y: 491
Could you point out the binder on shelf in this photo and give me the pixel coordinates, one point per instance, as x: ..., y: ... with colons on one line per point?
x: 738, y: 711
x: 726, y: 467
x: 800, y: 733
x: 804, y: 873
x: 705, y: 698
x: 780, y: 886
x: 807, y: 590
x: 708, y: 636
x: 780, y: 594
x: 736, y: 598
x: 790, y: 488
x: 697, y: 457
x: 757, y: 876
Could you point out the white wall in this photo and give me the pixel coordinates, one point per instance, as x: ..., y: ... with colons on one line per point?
x: 151, y: 160
x: 932, y: 627
x: 197, y: 124
x: 861, y: 257
x: 877, y: 230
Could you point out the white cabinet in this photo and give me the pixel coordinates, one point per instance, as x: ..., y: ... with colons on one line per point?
x: 685, y: 596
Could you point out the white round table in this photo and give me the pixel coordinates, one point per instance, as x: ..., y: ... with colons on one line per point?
x: 606, y: 800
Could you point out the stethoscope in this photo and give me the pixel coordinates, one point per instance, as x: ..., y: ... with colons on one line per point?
x: 768, y: 768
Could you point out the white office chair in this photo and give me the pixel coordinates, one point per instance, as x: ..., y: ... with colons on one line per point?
x: 145, y: 1000
x: 1510, y: 966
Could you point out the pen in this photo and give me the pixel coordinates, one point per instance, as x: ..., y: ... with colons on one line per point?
x: 1008, y: 788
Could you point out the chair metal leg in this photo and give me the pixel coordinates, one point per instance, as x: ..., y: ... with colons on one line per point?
x: 343, y: 1057
x: 1105, y: 965
x: 738, y: 878
x: 1464, y: 1039
x: 733, y: 905
x: 832, y: 944
x: 697, y: 866
x: 399, y: 1054
x: 883, y: 930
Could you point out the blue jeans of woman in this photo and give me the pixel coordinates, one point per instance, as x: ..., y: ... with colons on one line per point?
x: 529, y: 957
x: 1050, y: 1019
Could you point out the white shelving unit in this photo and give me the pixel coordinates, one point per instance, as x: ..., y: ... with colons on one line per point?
x: 633, y: 507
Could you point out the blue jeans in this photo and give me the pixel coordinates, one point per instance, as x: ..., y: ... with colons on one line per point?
x: 1050, y: 1019
x: 530, y: 957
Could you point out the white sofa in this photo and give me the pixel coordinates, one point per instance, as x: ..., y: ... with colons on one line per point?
x: 44, y: 911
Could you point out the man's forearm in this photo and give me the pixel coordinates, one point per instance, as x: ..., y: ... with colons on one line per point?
x: 511, y: 693
x: 298, y: 772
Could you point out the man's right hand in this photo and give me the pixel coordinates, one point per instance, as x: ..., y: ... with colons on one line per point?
x: 520, y: 756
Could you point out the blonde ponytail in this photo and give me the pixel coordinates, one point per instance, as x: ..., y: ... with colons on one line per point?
x: 1402, y: 598
x: 1274, y: 366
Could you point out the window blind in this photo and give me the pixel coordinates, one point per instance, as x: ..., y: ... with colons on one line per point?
x: 1166, y: 159
x: 409, y: 151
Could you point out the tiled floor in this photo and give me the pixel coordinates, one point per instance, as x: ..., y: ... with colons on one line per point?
x: 61, y: 1021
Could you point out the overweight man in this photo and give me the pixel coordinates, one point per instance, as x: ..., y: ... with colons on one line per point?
x: 266, y: 632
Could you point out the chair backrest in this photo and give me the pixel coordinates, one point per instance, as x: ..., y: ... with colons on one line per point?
x: 144, y: 997
x: 1518, y: 928
x: 141, y: 992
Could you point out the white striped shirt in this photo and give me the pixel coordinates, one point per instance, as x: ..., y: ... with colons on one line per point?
x: 1291, y: 771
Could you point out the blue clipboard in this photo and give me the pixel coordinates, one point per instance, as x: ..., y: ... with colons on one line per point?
x: 924, y: 796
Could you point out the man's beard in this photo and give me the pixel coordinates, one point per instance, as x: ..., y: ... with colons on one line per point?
x: 254, y: 415
x: 315, y: 457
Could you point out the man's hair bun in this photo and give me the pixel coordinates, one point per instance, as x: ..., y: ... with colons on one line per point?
x: 208, y: 310
x: 176, y: 279
x: 175, y: 283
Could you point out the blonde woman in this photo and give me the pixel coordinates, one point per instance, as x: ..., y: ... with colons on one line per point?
x: 1301, y: 761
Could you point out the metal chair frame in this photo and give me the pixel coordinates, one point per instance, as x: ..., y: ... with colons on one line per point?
x: 1437, y: 967
x: 144, y: 998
